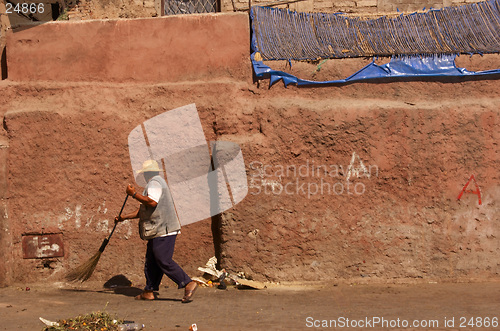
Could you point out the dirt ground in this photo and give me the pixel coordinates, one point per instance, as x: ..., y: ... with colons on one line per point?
x: 448, y: 306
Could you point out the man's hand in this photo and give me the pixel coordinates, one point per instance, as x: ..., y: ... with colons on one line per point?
x: 139, y: 197
x: 130, y: 190
x: 129, y: 216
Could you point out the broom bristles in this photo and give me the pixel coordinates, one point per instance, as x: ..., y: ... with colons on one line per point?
x: 84, y: 271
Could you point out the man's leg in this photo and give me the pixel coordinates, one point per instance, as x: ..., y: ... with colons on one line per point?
x: 153, y: 274
x: 163, y: 250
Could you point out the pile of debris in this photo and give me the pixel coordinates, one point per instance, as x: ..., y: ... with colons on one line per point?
x: 222, y: 278
x: 93, y: 321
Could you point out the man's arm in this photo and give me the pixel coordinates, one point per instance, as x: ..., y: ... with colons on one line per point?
x: 128, y: 216
x: 141, y: 198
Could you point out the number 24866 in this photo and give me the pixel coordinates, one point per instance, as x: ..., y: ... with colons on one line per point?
x: 25, y: 8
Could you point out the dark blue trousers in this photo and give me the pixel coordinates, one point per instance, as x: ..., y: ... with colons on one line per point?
x: 159, y: 261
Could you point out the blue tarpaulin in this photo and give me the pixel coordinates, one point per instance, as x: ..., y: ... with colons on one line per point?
x: 398, y: 67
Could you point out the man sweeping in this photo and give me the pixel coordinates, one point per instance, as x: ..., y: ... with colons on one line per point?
x: 159, y: 225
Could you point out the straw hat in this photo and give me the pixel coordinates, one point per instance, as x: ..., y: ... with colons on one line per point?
x: 149, y: 166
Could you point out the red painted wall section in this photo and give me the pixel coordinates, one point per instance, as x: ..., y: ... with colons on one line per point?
x: 166, y: 49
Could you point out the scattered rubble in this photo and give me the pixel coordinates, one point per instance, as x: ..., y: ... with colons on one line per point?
x: 222, y: 278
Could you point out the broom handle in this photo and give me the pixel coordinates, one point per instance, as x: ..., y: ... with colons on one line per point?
x: 106, y: 241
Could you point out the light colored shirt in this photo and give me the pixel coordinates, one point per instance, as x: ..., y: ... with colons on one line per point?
x: 154, y: 191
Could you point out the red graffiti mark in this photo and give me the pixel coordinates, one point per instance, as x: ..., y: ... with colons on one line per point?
x: 477, y: 191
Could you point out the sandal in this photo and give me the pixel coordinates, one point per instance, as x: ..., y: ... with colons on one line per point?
x: 189, y: 291
x: 144, y: 296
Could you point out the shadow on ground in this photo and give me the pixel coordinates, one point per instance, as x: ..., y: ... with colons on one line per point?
x: 121, y: 285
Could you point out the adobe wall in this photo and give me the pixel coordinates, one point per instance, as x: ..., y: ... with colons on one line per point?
x: 69, y: 180
x: 396, y: 214
x: 351, y: 6
x: 393, y: 216
x: 175, y: 48
x: 5, y: 236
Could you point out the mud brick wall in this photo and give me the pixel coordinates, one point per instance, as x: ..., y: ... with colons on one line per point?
x: 353, y: 6
x: 394, y: 215
x: 5, y: 235
x: 116, y: 50
x: 78, y: 11
x: 66, y: 179
x: 193, y: 48
x: 353, y: 183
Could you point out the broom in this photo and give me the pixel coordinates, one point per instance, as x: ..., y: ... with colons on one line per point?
x: 84, y: 271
